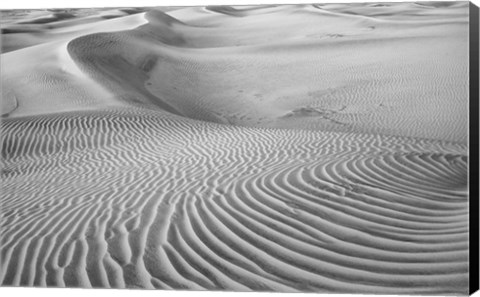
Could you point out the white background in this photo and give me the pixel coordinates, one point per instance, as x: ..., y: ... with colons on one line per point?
x: 23, y: 292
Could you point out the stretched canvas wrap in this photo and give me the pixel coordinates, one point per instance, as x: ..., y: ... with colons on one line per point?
x: 326, y: 148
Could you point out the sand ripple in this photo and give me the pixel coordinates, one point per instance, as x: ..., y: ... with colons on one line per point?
x: 137, y: 199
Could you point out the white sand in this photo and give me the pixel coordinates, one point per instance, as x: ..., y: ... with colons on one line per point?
x: 288, y: 148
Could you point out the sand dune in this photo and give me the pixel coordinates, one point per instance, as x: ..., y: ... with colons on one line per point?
x: 312, y: 148
x: 55, y: 83
x: 359, y: 94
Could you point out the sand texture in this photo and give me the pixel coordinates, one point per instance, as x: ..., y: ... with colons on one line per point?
x: 295, y: 148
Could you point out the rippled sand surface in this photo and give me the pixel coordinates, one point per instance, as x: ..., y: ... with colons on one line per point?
x: 311, y: 148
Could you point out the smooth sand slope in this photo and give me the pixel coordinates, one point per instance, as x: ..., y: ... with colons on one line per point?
x: 287, y: 148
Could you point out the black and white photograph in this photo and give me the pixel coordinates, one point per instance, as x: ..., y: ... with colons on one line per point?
x: 302, y: 147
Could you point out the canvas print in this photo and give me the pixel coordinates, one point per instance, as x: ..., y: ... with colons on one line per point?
x: 288, y: 148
